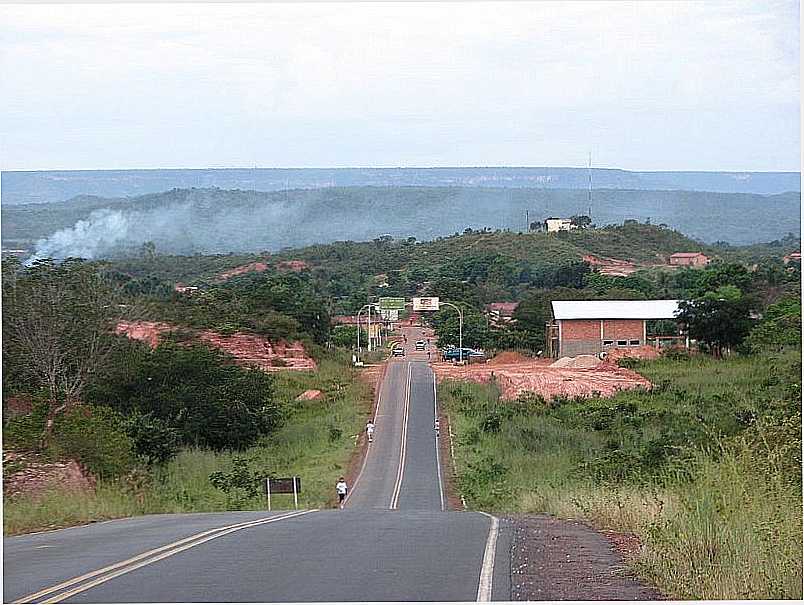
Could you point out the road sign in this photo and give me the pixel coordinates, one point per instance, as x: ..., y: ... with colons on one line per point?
x: 388, y: 303
x: 425, y: 304
x: 389, y: 314
x: 283, y: 485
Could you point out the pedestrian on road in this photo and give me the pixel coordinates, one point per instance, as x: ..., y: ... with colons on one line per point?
x: 437, y: 427
x: 341, y: 488
x: 428, y: 354
x: 370, y: 430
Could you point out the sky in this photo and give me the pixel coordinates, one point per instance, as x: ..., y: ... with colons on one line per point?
x: 640, y: 86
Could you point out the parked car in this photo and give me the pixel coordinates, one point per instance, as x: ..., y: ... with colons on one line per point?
x: 398, y: 352
x: 420, y: 344
x: 455, y: 354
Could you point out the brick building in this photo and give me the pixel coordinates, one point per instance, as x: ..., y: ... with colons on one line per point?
x: 589, y: 327
x: 501, y: 312
x: 689, y: 259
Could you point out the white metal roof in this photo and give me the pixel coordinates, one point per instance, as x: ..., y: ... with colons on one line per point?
x: 615, y: 309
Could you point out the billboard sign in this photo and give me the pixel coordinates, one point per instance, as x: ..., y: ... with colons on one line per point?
x: 389, y: 303
x: 425, y: 304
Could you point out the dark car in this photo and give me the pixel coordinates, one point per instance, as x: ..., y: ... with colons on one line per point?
x: 398, y: 352
x: 456, y: 354
x: 420, y: 344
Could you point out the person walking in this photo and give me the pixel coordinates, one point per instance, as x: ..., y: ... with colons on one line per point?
x: 437, y: 427
x: 370, y: 430
x: 341, y: 488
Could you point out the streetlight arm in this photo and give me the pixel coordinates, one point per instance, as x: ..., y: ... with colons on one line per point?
x: 460, y: 328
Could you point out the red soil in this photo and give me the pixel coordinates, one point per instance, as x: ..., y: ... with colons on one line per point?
x: 537, y: 376
x: 147, y: 331
x: 643, y: 352
x: 251, y: 267
x: 248, y: 349
x: 292, y: 265
x: 310, y: 395
x: 36, y: 476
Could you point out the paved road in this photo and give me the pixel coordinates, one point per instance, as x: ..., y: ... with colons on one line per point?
x: 393, y: 542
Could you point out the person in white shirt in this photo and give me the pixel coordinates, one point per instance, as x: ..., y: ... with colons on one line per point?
x: 370, y: 430
x: 437, y: 427
x: 341, y: 488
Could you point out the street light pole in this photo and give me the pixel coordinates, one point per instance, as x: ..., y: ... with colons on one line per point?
x: 358, y: 327
x: 460, y: 329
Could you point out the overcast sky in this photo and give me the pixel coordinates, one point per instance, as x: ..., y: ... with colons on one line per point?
x: 643, y: 86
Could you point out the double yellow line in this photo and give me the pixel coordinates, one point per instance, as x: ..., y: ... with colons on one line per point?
x: 74, y: 586
x: 401, y: 469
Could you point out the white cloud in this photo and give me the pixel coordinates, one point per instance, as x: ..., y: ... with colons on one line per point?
x: 123, y: 78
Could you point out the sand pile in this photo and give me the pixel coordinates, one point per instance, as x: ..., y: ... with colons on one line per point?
x: 580, y: 361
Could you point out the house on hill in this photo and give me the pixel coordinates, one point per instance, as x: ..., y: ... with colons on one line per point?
x: 689, y: 259
x: 590, y: 327
x: 792, y: 257
x: 553, y: 224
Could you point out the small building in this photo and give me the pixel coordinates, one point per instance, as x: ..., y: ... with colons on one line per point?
x: 553, y: 224
x: 501, y: 312
x: 794, y: 257
x: 182, y: 289
x: 689, y: 259
x: 589, y: 327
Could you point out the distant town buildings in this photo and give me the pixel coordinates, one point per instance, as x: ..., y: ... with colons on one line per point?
x: 689, y: 259
x: 181, y: 288
x: 794, y: 257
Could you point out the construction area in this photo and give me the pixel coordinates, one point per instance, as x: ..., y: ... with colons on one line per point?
x: 247, y: 349
x: 515, y: 374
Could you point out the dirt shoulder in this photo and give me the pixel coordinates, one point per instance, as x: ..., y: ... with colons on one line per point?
x: 556, y: 560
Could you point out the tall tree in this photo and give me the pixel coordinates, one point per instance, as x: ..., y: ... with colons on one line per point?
x: 58, y: 327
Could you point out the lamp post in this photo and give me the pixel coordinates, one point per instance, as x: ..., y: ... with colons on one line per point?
x: 460, y: 329
x: 363, y: 308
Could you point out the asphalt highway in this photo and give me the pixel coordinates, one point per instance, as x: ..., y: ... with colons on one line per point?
x: 393, y: 541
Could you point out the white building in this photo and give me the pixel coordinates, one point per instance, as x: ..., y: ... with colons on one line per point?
x: 559, y: 224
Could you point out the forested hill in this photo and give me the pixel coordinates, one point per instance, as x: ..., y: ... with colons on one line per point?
x: 20, y: 187
x: 209, y: 221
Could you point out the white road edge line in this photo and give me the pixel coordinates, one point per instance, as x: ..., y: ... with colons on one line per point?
x: 486, y: 581
x: 438, y: 455
x: 155, y: 555
x: 401, y: 469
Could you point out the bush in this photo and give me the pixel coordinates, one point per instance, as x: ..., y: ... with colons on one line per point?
x: 154, y: 439
x: 95, y: 437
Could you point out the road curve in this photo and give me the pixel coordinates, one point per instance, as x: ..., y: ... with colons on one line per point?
x: 393, y: 541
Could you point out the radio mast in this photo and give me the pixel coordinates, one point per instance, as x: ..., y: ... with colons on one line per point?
x: 590, y: 185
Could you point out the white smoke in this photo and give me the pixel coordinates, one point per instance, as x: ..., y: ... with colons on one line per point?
x: 88, y: 238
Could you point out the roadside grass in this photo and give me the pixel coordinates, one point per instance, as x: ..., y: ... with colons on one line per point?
x: 315, y: 443
x: 705, y: 470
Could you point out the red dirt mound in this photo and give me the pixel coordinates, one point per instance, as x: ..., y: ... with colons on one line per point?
x: 643, y: 352
x: 508, y: 358
x: 310, y: 395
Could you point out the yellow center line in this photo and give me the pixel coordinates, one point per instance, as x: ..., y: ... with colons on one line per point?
x: 143, y: 559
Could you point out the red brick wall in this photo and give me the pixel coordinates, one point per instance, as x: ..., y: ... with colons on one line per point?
x: 580, y: 329
x: 622, y: 329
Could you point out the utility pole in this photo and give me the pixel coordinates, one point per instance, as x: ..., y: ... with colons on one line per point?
x: 527, y: 221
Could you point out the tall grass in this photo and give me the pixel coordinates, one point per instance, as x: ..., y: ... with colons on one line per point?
x: 315, y: 443
x: 706, y: 470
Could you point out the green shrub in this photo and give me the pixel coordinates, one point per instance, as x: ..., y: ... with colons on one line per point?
x: 95, y: 437
x: 154, y: 439
x: 25, y: 432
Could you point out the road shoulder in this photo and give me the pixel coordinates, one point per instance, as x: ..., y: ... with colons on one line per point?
x: 556, y: 560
